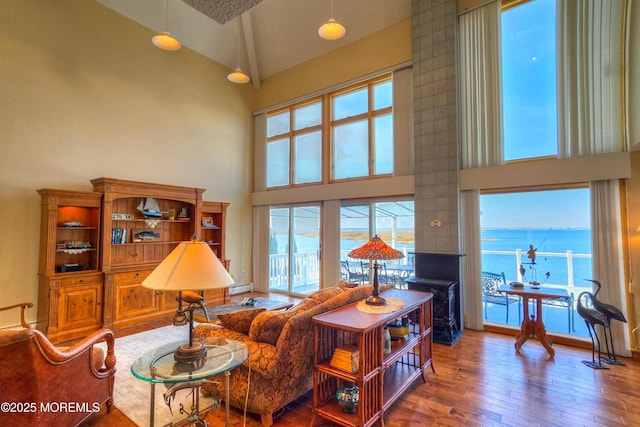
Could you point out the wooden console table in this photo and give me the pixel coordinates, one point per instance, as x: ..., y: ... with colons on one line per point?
x: 381, y: 378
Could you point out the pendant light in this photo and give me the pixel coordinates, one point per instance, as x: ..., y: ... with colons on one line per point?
x: 331, y: 30
x: 237, y: 76
x: 165, y: 40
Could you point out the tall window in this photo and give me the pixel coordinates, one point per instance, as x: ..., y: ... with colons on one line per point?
x: 294, y: 145
x: 529, y: 80
x: 294, y: 249
x: 362, y: 130
x: 556, y: 225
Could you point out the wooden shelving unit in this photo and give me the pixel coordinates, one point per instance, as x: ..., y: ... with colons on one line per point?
x: 97, y: 247
x: 70, y: 281
x: 381, y: 378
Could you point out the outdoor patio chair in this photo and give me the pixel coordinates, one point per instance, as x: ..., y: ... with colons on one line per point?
x: 563, y: 302
x: 349, y: 273
x: 490, y: 294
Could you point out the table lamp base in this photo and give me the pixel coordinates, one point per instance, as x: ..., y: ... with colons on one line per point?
x: 190, y: 353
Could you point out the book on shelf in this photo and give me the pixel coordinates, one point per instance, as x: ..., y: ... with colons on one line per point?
x: 346, y: 358
x: 118, y: 235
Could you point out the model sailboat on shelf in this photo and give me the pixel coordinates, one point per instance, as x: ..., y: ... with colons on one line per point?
x: 149, y: 208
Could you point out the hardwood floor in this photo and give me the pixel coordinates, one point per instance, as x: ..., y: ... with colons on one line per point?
x: 481, y: 381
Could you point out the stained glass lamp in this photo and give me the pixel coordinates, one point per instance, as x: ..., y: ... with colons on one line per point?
x: 375, y: 249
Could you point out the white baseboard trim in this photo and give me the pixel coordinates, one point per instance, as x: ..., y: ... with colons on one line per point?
x: 241, y: 289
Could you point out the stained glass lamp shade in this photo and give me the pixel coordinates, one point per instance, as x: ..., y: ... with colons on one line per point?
x: 375, y: 249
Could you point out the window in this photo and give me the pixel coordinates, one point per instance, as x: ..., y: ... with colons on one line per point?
x: 393, y: 222
x: 529, y: 80
x: 294, y: 145
x: 362, y: 130
x: 294, y: 249
x: 556, y: 225
x: 360, y: 134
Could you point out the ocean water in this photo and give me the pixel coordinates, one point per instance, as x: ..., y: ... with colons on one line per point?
x: 556, y: 241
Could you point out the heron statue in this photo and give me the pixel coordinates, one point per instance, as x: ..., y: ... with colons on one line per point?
x: 592, y: 318
x: 611, y: 313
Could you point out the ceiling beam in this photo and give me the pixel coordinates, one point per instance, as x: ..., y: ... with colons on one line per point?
x: 247, y: 29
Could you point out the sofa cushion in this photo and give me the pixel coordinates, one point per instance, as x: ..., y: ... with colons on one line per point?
x: 325, y: 294
x: 304, y: 305
x: 266, y: 327
x: 239, y: 321
x: 343, y: 284
x: 262, y: 356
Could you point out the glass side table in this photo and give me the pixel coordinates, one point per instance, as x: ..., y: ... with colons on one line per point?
x: 158, y: 366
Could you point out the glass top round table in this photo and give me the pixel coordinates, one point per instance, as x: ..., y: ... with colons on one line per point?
x: 158, y: 366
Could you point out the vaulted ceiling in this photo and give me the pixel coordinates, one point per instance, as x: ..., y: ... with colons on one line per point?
x: 263, y: 36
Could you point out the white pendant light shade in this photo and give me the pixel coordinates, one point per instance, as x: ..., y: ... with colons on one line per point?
x: 166, y: 41
x: 331, y: 30
x: 238, y: 76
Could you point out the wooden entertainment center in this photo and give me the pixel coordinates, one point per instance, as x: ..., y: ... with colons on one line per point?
x: 97, y: 247
x: 381, y: 378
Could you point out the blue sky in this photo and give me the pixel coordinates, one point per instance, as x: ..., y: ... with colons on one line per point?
x: 529, y: 80
x: 537, y: 209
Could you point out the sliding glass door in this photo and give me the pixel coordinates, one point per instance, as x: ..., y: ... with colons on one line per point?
x: 294, y: 249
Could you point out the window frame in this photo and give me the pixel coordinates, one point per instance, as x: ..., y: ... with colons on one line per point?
x: 370, y: 115
x: 291, y: 135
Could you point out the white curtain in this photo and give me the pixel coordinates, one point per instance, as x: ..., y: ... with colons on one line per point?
x: 589, y: 80
x: 480, y: 86
x: 470, y: 205
x: 608, y: 256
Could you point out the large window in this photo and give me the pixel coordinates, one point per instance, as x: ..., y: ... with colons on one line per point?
x: 351, y: 130
x: 362, y: 130
x: 556, y: 226
x: 529, y: 80
x: 294, y: 145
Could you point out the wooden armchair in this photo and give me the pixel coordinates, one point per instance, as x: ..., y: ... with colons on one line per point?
x: 45, y: 385
x: 490, y: 294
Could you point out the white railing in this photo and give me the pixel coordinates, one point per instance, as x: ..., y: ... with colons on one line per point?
x: 520, y: 258
x: 306, y: 270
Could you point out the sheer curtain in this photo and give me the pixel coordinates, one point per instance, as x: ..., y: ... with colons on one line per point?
x: 608, y: 256
x: 480, y: 132
x: 470, y: 205
x: 480, y: 86
x: 589, y: 67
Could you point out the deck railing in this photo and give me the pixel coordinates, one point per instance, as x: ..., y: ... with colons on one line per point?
x: 306, y: 271
x: 519, y: 258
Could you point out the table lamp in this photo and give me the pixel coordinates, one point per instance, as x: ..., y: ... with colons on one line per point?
x: 190, y: 266
x: 375, y: 249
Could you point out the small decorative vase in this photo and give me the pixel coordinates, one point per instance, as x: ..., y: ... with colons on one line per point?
x: 348, y: 396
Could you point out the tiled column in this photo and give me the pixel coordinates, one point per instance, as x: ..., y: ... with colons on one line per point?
x: 436, y: 147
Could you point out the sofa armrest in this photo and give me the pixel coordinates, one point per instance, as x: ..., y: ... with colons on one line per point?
x: 262, y: 356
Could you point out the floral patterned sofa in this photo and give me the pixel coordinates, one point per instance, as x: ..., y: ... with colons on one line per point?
x: 281, y: 350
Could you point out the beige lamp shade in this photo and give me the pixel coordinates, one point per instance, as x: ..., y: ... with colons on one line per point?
x: 190, y: 266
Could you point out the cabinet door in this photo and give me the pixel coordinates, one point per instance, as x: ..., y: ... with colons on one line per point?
x: 169, y: 300
x: 80, y: 306
x: 215, y: 297
x: 132, y: 299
